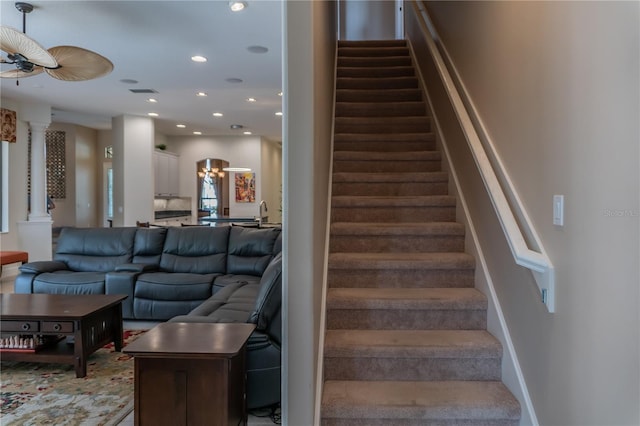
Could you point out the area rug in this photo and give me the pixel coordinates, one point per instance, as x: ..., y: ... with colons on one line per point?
x: 50, y: 394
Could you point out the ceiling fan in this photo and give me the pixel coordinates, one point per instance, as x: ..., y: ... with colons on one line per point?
x: 69, y: 63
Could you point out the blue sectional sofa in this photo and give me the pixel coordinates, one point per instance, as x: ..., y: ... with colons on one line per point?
x: 186, y: 274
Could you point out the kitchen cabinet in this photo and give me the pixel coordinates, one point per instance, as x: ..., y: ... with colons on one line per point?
x: 167, y: 176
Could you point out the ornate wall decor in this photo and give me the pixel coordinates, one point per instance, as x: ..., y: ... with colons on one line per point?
x: 245, y: 187
x: 8, y: 120
x: 56, y: 164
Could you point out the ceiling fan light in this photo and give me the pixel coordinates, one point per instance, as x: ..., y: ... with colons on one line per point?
x: 237, y: 6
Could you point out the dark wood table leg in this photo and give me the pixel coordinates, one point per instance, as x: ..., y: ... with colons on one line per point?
x: 117, y: 330
x: 80, y: 362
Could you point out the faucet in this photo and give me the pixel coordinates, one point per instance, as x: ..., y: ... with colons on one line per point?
x: 263, y: 204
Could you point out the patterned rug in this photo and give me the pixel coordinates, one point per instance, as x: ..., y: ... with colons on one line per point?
x: 50, y: 394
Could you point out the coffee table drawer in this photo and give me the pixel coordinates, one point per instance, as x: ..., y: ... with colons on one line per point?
x: 57, y: 327
x: 20, y: 326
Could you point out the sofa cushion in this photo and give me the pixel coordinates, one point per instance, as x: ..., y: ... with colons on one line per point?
x: 231, y: 304
x: 250, y: 249
x: 148, y: 245
x: 174, y: 286
x: 95, y: 249
x: 225, y: 280
x: 199, y: 250
x: 66, y: 282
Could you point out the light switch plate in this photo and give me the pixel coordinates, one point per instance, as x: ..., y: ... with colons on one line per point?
x: 558, y: 210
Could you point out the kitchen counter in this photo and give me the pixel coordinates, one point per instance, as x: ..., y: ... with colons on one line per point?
x: 214, y: 218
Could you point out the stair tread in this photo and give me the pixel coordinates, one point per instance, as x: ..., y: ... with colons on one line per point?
x: 428, y: 400
x: 389, y: 177
x: 402, y: 260
x: 411, y: 344
x: 375, y: 43
x: 387, y: 156
x: 397, y: 228
x: 384, y: 120
x: 393, y: 201
x: 381, y: 137
x: 406, y: 298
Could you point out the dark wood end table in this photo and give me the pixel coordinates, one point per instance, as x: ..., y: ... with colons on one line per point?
x: 191, y: 374
x: 92, y: 319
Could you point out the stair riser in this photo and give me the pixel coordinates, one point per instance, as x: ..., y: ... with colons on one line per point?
x: 382, y: 61
x: 373, y: 125
x: 406, y: 319
x: 368, y: 72
x: 374, y: 166
x: 416, y: 368
x: 419, y: 278
x: 389, y: 189
x: 415, y: 422
x: 380, y: 109
x: 384, y: 146
x: 372, y: 51
x: 377, y: 83
x: 395, y: 244
x: 393, y: 214
x: 402, y: 95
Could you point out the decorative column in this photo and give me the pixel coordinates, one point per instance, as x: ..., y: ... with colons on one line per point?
x: 38, y: 173
x: 34, y: 234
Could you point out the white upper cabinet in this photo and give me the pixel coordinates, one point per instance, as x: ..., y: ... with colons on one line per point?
x: 167, y: 176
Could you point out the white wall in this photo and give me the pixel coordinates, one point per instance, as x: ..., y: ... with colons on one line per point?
x: 310, y: 41
x: 271, y: 158
x: 239, y: 151
x: 133, y: 144
x: 367, y: 20
x: 80, y: 205
x: 557, y: 84
x: 18, y: 160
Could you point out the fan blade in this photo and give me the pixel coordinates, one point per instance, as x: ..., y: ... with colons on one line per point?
x: 16, y: 73
x: 13, y: 41
x: 77, y: 64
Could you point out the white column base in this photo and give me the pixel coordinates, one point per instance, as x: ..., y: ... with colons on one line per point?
x: 34, y: 237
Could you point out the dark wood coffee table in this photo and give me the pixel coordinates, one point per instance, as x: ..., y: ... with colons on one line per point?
x: 191, y: 374
x: 93, y: 320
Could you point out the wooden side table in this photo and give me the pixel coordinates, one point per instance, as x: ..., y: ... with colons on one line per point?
x: 191, y: 374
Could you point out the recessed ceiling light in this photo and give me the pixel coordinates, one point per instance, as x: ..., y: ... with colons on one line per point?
x: 201, y: 94
x: 236, y: 126
x: 251, y: 99
x: 198, y: 58
x: 246, y: 133
x: 233, y: 80
x: 217, y: 114
x: 237, y: 6
x: 152, y: 114
x: 129, y: 81
x: 182, y: 126
x: 197, y: 133
x: 152, y: 100
x: 279, y: 113
x: 257, y: 49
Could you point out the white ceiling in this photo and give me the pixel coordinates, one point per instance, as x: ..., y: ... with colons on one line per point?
x: 152, y: 42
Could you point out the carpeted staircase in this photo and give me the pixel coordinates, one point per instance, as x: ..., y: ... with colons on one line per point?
x: 406, y: 340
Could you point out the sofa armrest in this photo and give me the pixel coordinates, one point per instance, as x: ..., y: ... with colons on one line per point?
x: 137, y: 267
x: 42, y: 266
